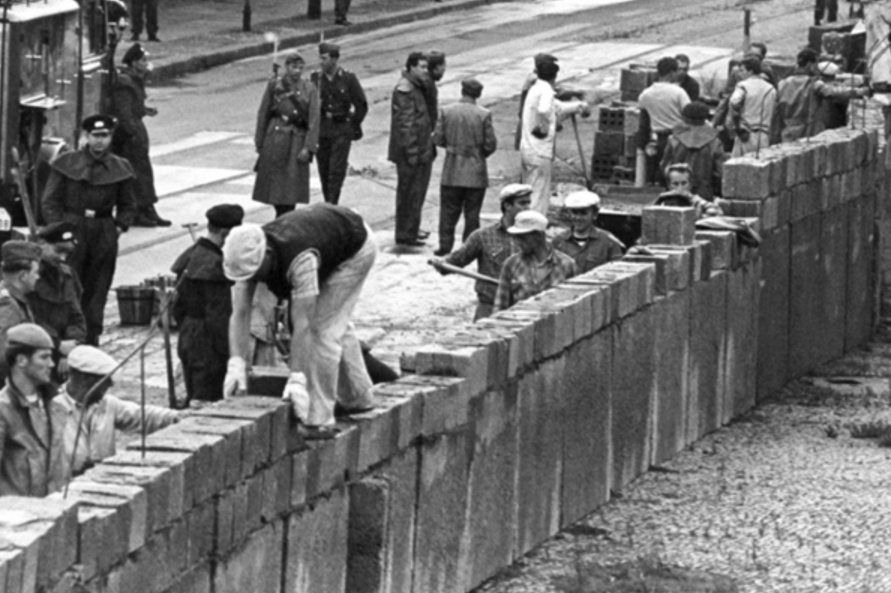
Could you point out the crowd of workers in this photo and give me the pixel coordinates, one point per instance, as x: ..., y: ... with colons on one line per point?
x: 56, y: 418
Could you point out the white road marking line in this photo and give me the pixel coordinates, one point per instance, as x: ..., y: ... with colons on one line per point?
x: 193, y: 141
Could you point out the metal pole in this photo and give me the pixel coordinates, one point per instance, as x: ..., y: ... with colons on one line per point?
x: 246, y: 16
x: 747, y: 29
x: 142, y: 397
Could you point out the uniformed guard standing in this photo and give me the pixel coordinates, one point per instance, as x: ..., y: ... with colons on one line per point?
x: 93, y: 189
x: 20, y: 271
x: 56, y: 298
x: 343, y: 107
x: 203, y: 306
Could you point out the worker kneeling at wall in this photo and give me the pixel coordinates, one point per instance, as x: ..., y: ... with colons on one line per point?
x: 316, y: 257
x: 97, y: 415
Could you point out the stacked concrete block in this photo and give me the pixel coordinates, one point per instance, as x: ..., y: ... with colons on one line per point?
x: 743, y: 294
x: 671, y: 362
x: 723, y: 248
x: 833, y: 257
x: 316, y: 548
x: 708, y: 347
x: 773, y: 320
x: 860, y: 279
x: 669, y: 225
x: 585, y: 406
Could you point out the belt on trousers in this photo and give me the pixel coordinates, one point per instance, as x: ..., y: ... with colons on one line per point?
x: 87, y: 213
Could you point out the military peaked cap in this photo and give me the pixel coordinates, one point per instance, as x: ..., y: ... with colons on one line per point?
x: 29, y: 334
x: 20, y: 251
x: 225, y: 216
x: 134, y: 54
x: 58, y: 232
x: 99, y: 123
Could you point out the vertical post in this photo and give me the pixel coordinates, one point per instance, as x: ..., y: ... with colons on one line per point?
x: 142, y: 397
x: 314, y: 9
x: 747, y: 29
x: 246, y: 16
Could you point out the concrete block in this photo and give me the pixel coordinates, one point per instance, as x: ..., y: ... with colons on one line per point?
x: 331, y: 462
x: 268, y: 381
x: 201, y: 523
x: 701, y: 261
x: 540, y: 455
x: 724, y: 250
x: 680, y: 270
x: 555, y: 329
x: 509, y: 335
x: 661, y: 260
x: 181, y: 473
x: 12, y: 569
x: 471, y: 363
x: 272, y: 418
x: 46, y: 531
x: 743, y: 290
x: 441, y: 511
x: 746, y: 178
x: 375, y: 434
x: 585, y: 396
x: 299, y: 467
x: 488, y: 541
x: 131, y: 501
x: 820, y: 155
x: 643, y: 279
x: 605, y: 308
x: 833, y: 189
x: 668, y: 224
x: 103, y: 536
x: 784, y: 208
x: 522, y: 336
x: 773, y: 318
x: 154, y: 566
x: 795, y: 173
x: 834, y: 260
x: 708, y: 345
x: 805, y: 323
x: 316, y: 557
x: 804, y: 202
x: 195, y: 580
x: 444, y: 402
x: 275, y: 489
x: 853, y: 184
x: 256, y: 565
x: 671, y: 362
x: 632, y: 397
x: 860, y: 280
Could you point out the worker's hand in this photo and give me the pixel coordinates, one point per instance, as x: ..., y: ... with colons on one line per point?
x: 62, y: 368
x: 650, y: 149
x: 437, y: 262
x: 236, y: 377
x: 357, y: 132
x: 304, y: 156
x: 296, y: 393
x: 66, y: 346
x: 585, y: 110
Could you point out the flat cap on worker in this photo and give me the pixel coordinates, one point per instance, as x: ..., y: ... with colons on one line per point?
x: 89, y: 359
x: 134, y: 54
x: 471, y: 87
x: 514, y: 190
x: 23, y: 251
x: 696, y: 111
x: 99, y: 124
x: 541, y: 58
x: 329, y: 48
x: 581, y: 199
x: 243, y: 252
x: 225, y: 216
x: 529, y: 221
x: 828, y: 69
x: 58, y: 232
x: 29, y: 334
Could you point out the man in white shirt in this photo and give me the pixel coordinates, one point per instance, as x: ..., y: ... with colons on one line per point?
x: 541, y: 112
x: 661, y: 111
x: 751, y: 107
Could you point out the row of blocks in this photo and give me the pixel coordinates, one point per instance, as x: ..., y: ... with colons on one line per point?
x: 618, y: 120
x: 784, y: 166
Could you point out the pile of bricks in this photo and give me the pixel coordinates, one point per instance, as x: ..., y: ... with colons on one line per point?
x: 614, y: 143
x: 634, y: 79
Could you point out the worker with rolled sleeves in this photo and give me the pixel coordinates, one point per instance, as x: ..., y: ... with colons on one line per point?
x: 491, y: 246
x: 536, y: 268
x: 90, y: 410
x: 93, y: 189
x: 586, y: 244
x: 343, y: 108
x: 317, y: 259
x: 55, y: 301
x: 203, y: 306
x: 20, y: 265
x: 31, y: 422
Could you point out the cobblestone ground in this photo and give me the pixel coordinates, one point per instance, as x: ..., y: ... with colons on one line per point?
x: 784, y: 499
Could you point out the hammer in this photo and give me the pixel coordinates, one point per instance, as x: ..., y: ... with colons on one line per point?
x: 191, y: 226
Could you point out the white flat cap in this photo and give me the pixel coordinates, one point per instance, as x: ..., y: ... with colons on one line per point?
x: 527, y: 222
x: 514, y: 190
x: 243, y: 252
x: 581, y: 199
x: 88, y: 359
x: 827, y: 69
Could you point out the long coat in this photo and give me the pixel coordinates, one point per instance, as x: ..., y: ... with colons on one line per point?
x: 465, y: 130
x: 131, y: 139
x: 411, y: 124
x: 287, y: 122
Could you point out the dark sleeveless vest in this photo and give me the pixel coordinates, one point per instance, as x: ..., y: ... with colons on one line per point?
x: 335, y: 232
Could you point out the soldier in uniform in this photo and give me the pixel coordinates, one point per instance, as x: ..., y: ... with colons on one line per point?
x: 93, y: 189
x: 203, y: 306
x: 20, y: 271
x: 343, y: 108
x: 56, y: 298
x: 131, y: 139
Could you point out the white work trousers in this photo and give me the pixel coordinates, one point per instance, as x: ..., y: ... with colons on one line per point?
x: 336, y: 367
x: 536, y: 171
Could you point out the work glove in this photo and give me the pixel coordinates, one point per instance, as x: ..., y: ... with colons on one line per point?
x: 236, y: 377
x: 295, y: 392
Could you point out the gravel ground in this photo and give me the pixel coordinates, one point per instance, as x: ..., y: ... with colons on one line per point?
x: 784, y: 499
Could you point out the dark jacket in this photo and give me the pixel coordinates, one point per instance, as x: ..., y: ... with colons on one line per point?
x: 699, y: 147
x: 601, y: 248
x: 342, y: 104
x: 803, y: 104
x: 465, y: 130
x: 55, y: 303
x: 79, y: 182
x: 410, y: 123
x: 14, y: 309
x: 30, y: 464
x: 129, y: 108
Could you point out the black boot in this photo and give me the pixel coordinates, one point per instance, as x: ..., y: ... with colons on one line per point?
x: 153, y: 215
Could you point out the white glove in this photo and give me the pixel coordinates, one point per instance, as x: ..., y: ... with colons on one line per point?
x: 295, y: 392
x: 236, y: 377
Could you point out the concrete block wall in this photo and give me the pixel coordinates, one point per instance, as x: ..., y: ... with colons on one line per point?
x: 513, y: 428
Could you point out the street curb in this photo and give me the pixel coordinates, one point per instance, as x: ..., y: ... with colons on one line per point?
x: 199, y: 63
